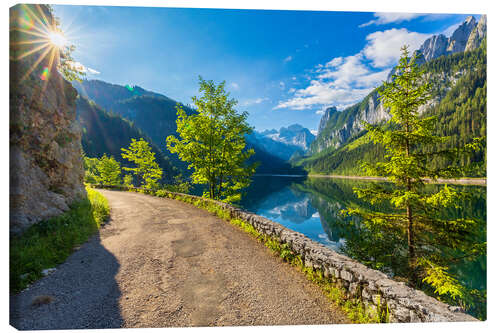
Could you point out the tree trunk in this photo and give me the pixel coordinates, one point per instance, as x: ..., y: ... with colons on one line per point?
x: 412, y: 278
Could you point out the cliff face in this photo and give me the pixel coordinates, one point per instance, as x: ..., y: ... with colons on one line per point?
x: 477, y: 35
x: 284, y: 143
x: 337, y: 127
x: 46, y: 169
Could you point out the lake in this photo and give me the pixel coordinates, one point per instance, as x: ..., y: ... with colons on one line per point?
x: 313, y: 206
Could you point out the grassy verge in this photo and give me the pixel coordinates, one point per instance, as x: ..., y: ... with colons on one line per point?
x: 48, y: 243
x: 353, y: 308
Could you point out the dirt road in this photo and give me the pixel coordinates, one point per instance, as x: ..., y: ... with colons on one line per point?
x: 163, y: 263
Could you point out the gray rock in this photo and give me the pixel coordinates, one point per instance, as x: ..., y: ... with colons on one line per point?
x: 46, y: 167
x: 459, y: 38
x: 48, y: 271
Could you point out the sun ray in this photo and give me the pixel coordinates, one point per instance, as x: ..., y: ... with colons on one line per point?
x: 34, y: 16
x: 49, y: 67
x: 27, y: 53
x: 33, y: 41
x: 32, y: 68
x: 42, y: 39
x: 41, y: 30
x: 44, y: 35
x: 46, y: 21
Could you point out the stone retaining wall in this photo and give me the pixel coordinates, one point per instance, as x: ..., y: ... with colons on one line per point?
x: 373, y: 287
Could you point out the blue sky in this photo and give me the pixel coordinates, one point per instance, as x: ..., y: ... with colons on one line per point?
x: 283, y: 67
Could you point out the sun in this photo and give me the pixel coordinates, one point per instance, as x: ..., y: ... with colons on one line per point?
x: 58, y: 39
x: 40, y: 36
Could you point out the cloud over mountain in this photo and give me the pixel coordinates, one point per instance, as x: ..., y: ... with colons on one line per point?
x: 345, y: 80
x: 385, y: 18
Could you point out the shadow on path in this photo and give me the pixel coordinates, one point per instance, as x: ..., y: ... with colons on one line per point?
x: 84, y: 289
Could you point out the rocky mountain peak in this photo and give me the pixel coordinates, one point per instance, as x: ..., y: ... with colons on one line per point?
x: 477, y: 35
x: 458, y: 40
x: 466, y: 37
x: 326, y: 116
x: 433, y: 47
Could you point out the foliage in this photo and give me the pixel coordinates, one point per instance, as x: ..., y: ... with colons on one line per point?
x: 148, y: 171
x: 109, y: 171
x: 180, y: 185
x: 105, y: 132
x: 128, y: 180
x: 212, y: 142
x: 105, y: 170
x: 48, y: 243
x: 91, y: 171
x: 153, y: 114
x: 415, y: 213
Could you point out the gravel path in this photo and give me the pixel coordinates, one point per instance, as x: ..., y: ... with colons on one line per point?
x: 163, y: 263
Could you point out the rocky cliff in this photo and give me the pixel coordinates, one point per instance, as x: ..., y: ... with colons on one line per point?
x: 284, y: 143
x: 477, y: 35
x: 337, y: 127
x: 46, y: 169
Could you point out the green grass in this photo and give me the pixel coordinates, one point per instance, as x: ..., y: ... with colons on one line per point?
x: 48, y: 243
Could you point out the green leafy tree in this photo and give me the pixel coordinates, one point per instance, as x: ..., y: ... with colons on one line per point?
x: 91, y: 171
x: 128, y: 180
x: 431, y: 240
x: 147, y: 169
x: 212, y: 142
x: 109, y: 171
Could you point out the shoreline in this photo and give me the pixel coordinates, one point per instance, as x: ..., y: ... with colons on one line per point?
x: 459, y: 181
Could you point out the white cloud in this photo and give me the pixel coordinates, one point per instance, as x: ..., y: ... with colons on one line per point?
x: 344, y: 71
x: 320, y: 112
x: 343, y: 81
x: 75, y: 65
x: 234, y: 85
x: 384, y: 47
x: 282, y: 85
x: 292, y: 90
x: 322, y: 93
x: 93, y: 71
x: 314, y: 132
x: 385, y: 18
x: 287, y: 59
x: 334, y: 62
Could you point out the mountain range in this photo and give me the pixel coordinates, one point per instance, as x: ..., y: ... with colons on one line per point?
x: 456, y: 68
x: 337, y: 127
x: 287, y: 142
x: 455, y: 64
x: 143, y: 113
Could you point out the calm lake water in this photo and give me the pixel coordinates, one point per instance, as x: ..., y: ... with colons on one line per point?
x: 313, y: 207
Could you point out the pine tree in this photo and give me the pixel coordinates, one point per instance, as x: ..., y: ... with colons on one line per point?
x: 431, y: 241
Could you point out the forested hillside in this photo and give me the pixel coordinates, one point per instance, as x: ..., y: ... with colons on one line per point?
x: 459, y: 95
x: 153, y: 113
x: 105, y: 132
x: 155, y: 116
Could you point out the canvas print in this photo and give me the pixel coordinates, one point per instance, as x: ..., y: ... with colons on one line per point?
x: 180, y: 167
